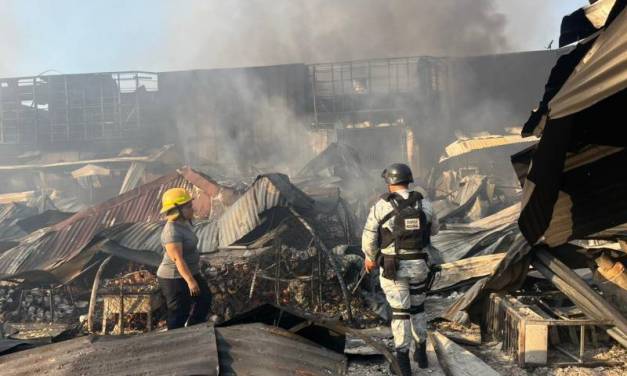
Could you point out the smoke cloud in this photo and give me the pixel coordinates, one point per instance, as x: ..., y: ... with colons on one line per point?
x: 255, y: 32
x: 241, y: 33
x: 11, y: 39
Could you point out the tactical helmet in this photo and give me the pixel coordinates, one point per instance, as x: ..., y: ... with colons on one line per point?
x: 397, y: 173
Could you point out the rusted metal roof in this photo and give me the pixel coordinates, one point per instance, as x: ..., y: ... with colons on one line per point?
x: 9, y: 216
x: 57, y: 251
x: 242, y: 218
x: 185, y: 351
x: 256, y: 213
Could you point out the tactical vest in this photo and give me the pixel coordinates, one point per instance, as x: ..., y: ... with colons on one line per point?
x: 411, y: 230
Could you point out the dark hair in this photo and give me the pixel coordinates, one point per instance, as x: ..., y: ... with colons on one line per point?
x: 176, y: 208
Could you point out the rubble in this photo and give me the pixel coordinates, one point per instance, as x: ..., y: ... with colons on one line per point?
x: 80, y: 242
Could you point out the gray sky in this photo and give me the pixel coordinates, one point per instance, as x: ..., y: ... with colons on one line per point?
x: 75, y: 36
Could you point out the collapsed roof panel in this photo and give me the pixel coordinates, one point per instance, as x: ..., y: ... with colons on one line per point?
x: 602, y: 72
x: 485, y: 236
x: 589, y: 199
x: 585, y: 21
x: 258, y: 349
x: 186, y: 351
x: 251, y: 216
x: 573, y: 185
x: 509, y: 272
x: 336, y: 160
x: 470, y: 188
x: 57, y: 251
x: 267, y: 192
x: 245, y: 349
x: 9, y: 216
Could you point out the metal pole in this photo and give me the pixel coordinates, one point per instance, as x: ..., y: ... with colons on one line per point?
x: 94, y: 292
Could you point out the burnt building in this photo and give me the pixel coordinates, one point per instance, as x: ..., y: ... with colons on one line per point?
x: 266, y: 115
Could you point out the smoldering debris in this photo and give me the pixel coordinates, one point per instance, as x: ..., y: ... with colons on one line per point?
x: 297, y: 250
x: 280, y: 251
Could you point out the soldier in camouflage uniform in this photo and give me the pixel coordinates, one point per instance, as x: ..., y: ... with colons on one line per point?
x: 395, y: 237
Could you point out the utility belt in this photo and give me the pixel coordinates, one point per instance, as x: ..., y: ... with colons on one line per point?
x: 389, y: 263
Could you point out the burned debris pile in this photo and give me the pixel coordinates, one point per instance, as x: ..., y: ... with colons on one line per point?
x: 550, y: 300
x: 528, y: 265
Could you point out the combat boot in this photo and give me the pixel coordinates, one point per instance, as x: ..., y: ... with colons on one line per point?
x: 420, y: 354
x: 402, y: 356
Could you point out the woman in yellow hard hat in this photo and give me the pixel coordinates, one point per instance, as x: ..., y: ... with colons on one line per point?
x: 185, y: 290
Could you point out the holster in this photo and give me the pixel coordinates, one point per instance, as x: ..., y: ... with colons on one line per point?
x: 390, y: 266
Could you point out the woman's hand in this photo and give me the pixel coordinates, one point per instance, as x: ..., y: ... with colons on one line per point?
x: 175, y: 252
x: 194, y: 289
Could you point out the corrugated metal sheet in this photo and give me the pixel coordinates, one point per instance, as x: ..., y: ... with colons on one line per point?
x: 588, y: 200
x: 574, y: 185
x: 186, y: 351
x: 9, y: 216
x: 505, y: 216
x: 267, y: 192
x: 45, y: 219
x: 60, y: 245
x: 463, y: 199
x: 467, y: 145
x: 585, y: 21
x: 342, y: 160
x: 485, y: 236
x: 141, y: 242
x: 247, y: 349
x: 248, y: 213
x: 511, y: 270
x: 263, y: 350
x: 255, y: 209
x: 454, y: 245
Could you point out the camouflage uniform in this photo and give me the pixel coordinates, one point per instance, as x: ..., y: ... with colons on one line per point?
x: 406, y: 295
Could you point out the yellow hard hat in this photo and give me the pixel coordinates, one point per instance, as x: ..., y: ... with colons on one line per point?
x: 174, y: 197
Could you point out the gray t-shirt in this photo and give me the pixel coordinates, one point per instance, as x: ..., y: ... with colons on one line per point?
x: 179, y: 232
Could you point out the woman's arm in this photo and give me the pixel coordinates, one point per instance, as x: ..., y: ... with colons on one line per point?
x: 175, y: 253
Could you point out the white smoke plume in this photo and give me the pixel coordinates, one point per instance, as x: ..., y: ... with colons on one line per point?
x: 258, y: 32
